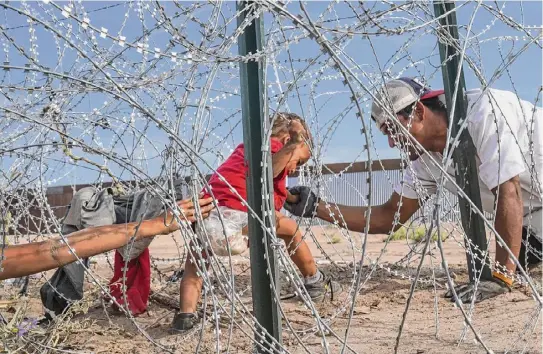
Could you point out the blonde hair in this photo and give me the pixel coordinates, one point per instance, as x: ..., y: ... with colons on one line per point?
x: 282, y: 126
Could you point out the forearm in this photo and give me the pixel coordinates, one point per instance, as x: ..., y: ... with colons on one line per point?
x: 22, y: 260
x: 382, y: 217
x: 354, y: 217
x: 508, y: 222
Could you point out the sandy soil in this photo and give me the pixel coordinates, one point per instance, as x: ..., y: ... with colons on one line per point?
x: 433, y: 324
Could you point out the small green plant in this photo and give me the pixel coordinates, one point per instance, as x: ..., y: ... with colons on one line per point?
x: 5, y: 224
x: 400, y: 234
x: 415, y: 234
x: 331, y: 233
x: 336, y: 238
x: 6, y: 220
x: 330, y: 228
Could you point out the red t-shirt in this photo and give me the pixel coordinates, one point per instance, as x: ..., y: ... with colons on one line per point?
x: 235, y: 171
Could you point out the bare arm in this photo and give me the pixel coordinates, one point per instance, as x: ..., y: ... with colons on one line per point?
x: 21, y: 260
x: 381, y: 219
x: 509, y: 220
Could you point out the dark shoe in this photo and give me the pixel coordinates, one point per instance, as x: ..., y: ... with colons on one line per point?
x: 530, y: 250
x: 183, y: 322
x: 486, y: 289
x: 320, y: 289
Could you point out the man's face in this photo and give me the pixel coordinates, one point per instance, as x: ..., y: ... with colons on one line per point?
x: 397, y: 137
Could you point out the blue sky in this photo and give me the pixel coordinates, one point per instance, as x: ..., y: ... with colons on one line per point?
x: 320, y: 96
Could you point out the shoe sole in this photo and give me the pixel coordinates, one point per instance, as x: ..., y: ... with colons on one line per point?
x: 326, y: 294
x: 182, y: 332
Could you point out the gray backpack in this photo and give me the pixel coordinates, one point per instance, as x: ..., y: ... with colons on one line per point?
x: 90, y: 208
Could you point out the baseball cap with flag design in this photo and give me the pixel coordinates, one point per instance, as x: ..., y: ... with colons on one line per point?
x: 398, y: 94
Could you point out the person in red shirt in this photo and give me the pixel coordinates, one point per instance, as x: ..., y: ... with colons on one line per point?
x: 290, y: 145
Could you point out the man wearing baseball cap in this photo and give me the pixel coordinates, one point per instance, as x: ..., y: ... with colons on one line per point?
x: 507, y: 133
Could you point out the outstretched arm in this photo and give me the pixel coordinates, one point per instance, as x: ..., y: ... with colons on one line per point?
x: 381, y: 217
x: 22, y: 260
x: 301, y: 201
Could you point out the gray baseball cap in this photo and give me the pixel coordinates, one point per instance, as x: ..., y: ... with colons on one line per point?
x: 398, y: 94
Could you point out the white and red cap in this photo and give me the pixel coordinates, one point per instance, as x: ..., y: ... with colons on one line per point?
x: 398, y: 94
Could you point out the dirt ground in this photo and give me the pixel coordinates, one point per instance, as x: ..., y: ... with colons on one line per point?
x: 509, y: 323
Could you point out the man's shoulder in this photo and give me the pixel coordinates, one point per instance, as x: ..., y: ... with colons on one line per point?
x: 479, y: 99
x: 488, y: 99
x: 475, y: 94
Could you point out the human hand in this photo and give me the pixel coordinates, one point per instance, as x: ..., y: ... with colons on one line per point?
x: 301, y: 201
x: 292, y: 198
x: 187, y: 213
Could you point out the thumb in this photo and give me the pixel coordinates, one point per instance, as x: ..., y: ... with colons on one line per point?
x: 288, y: 206
x: 293, y: 198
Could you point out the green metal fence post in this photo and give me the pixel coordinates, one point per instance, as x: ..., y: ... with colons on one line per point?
x: 255, y: 123
x: 464, y: 154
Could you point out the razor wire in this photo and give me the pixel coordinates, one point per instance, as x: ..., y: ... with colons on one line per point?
x: 138, y: 94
